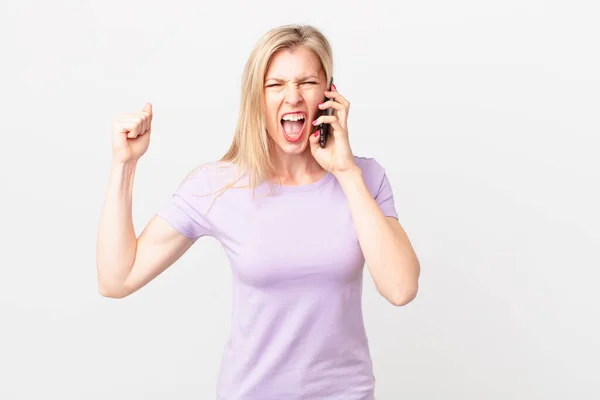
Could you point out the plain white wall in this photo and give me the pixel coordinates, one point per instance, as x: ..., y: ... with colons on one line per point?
x: 485, y: 115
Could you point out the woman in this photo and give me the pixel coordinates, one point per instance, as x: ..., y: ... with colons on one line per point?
x: 297, y: 222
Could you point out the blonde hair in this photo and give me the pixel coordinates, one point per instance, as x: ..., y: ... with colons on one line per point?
x: 252, y: 148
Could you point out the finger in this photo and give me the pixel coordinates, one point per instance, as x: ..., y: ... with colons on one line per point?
x: 133, y: 133
x: 334, y: 94
x: 137, y: 128
x: 128, y: 121
x: 331, y: 104
x: 325, y: 119
x: 338, y: 129
x: 144, y: 125
x: 125, y: 125
x: 147, y: 123
x: 313, y: 140
x: 148, y: 109
x: 340, y: 110
x: 333, y: 121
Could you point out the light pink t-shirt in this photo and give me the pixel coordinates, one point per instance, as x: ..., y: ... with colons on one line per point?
x: 297, y: 327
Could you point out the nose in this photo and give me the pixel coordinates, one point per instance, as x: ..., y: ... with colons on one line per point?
x: 292, y: 94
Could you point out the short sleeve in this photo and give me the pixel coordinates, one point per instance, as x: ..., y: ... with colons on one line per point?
x: 385, y: 197
x: 378, y: 184
x: 186, y: 209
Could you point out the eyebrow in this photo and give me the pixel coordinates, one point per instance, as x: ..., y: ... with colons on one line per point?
x: 302, y: 78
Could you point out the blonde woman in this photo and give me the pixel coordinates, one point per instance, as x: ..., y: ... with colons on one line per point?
x: 297, y: 221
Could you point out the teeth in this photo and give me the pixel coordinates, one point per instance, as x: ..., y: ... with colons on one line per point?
x: 293, y: 117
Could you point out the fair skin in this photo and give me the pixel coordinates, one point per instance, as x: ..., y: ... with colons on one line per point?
x: 126, y: 263
x: 293, y: 82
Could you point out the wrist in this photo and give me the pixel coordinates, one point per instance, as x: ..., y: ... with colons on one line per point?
x: 350, y: 177
x: 122, y: 173
x: 123, y: 165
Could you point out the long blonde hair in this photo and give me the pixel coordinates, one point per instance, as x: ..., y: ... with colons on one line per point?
x: 251, y: 149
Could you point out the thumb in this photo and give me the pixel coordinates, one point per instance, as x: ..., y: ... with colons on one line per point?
x: 147, y: 108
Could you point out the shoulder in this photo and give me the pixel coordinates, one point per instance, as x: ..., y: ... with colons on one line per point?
x: 370, y: 167
x: 373, y: 173
x: 209, y: 175
x: 367, y: 163
x: 378, y: 184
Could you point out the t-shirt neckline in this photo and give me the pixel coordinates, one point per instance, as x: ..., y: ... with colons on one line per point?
x: 306, y: 187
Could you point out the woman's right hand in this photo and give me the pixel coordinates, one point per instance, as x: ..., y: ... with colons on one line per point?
x: 131, y: 135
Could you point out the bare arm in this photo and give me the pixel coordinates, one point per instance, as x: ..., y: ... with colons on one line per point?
x: 124, y: 263
x: 389, y: 255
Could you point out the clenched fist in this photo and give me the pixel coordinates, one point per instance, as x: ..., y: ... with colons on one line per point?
x: 131, y: 135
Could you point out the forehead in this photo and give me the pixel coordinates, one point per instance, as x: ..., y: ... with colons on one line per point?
x: 288, y: 64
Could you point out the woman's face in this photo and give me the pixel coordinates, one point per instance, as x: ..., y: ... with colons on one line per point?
x: 294, y: 86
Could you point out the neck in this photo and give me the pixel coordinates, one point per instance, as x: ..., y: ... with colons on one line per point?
x: 297, y: 169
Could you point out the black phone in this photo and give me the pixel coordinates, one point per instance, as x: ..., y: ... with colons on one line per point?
x: 324, y: 128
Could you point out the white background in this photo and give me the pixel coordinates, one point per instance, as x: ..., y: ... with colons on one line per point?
x: 484, y: 114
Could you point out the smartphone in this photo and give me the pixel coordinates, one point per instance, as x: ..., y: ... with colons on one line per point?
x: 324, y: 128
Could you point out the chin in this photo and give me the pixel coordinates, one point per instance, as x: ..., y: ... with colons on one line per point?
x: 292, y: 148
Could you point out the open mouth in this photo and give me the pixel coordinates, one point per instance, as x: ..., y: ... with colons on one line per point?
x: 292, y: 126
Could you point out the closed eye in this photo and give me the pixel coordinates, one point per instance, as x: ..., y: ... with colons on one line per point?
x: 303, y: 83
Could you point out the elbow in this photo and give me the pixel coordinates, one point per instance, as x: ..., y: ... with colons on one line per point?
x: 111, y: 286
x: 111, y: 291
x: 403, y: 297
x: 402, y: 294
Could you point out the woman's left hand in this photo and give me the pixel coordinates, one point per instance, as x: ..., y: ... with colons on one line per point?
x: 337, y: 155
